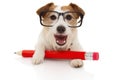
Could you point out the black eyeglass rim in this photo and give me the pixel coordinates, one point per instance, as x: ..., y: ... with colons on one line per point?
x: 41, y: 14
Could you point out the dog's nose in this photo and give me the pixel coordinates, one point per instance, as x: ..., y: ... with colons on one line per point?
x: 61, y: 29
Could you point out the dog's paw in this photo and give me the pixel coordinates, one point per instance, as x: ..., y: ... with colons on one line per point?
x: 76, y: 63
x: 37, y: 60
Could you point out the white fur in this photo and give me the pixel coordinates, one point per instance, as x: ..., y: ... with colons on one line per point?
x: 47, y: 41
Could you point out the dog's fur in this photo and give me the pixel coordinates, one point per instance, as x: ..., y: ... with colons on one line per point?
x: 47, y: 39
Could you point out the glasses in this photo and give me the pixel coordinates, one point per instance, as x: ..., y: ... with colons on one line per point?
x: 50, y: 18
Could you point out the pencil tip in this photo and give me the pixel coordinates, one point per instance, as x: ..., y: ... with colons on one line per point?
x: 14, y: 52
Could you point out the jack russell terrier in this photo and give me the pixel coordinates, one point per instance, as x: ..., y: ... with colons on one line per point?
x: 59, y: 31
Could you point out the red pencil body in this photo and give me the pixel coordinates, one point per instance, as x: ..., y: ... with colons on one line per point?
x: 27, y: 53
x: 64, y: 54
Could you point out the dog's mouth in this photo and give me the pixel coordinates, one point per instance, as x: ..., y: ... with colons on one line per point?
x: 61, y: 39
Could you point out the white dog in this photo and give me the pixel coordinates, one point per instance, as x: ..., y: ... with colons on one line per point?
x: 59, y: 31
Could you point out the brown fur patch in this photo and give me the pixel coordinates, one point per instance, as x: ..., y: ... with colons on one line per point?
x: 49, y: 6
x: 77, y: 8
x: 74, y: 8
x: 67, y: 8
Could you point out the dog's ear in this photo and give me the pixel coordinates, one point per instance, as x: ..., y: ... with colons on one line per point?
x: 77, y: 9
x: 44, y: 8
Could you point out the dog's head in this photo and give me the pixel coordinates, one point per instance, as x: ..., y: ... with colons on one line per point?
x: 60, y: 22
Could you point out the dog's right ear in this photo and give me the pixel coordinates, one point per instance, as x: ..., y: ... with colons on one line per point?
x: 44, y: 8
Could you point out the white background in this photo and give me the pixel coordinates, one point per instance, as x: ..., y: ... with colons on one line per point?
x: 19, y: 29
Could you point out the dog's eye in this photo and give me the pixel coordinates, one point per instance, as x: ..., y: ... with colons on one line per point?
x: 68, y: 17
x: 53, y: 17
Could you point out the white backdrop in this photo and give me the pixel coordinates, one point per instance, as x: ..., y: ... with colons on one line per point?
x: 19, y: 29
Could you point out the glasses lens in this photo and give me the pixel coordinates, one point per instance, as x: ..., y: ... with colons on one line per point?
x: 49, y: 18
x: 72, y: 19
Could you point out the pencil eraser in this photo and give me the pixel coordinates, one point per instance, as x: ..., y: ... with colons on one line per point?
x: 95, y: 56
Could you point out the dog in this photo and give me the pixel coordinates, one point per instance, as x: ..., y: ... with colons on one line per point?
x: 59, y: 31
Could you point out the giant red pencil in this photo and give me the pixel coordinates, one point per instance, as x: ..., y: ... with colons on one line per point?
x: 63, y: 54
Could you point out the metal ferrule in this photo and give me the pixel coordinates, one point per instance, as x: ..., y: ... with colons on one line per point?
x: 89, y: 56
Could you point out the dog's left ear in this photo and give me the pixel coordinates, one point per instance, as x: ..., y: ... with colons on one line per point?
x: 77, y: 9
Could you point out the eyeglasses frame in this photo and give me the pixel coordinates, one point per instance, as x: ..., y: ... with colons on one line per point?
x: 59, y: 14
